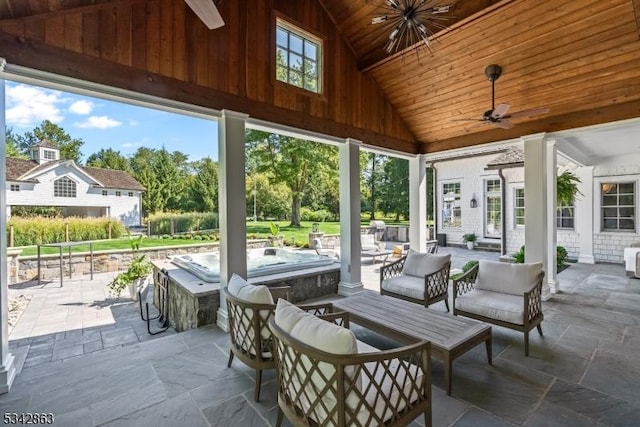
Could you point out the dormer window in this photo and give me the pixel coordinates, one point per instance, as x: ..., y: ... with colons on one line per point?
x: 49, y: 154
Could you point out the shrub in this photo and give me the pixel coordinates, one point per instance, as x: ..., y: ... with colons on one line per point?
x: 183, y: 222
x: 41, y: 230
x: 321, y: 215
x: 469, y: 265
x: 561, y: 256
x: 519, y: 256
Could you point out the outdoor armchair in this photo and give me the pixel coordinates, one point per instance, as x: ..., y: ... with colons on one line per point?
x: 249, y: 309
x: 417, y: 277
x: 505, y: 294
x: 328, y: 378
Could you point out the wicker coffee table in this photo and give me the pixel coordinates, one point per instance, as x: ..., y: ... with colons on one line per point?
x: 403, y: 321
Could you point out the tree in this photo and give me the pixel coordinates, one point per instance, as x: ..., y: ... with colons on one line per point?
x: 204, y: 186
x: 109, y: 159
x: 294, y: 162
x: 395, y: 188
x: 372, y: 175
x: 11, y: 145
x: 69, y: 147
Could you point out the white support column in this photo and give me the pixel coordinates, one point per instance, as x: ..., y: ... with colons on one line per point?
x: 536, y: 235
x: 552, y: 240
x: 418, y: 203
x: 350, y: 275
x: 233, y: 209
x: 584, y: 204
x: 7, y: 367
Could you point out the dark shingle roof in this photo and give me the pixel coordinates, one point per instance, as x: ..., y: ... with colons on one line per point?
x: 46, y: 144
x: 512, y: 157
x: 109, y: 178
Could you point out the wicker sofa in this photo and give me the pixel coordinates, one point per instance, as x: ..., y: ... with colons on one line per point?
x: 422, y: 278
x: 504, y: 294
x: 327, y: 377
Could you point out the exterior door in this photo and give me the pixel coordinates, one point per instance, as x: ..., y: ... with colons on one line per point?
x: 493, y: 209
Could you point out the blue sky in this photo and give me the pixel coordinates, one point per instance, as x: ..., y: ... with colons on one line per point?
x: 106, y: 124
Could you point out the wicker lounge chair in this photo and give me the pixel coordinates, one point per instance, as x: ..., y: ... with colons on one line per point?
x: 505, y: 294
x: 417, y: 277
x: 249, y: 311
x: 328, y: 378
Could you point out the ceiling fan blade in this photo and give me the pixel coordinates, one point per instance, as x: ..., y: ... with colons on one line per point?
x: 527, y: 113
x: 207, y: 12
x: 500, y: 111
x: 504, y: 124
x: 467, y: 120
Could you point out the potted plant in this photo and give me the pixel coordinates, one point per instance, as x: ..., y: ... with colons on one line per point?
x: 276, y: 239
x: 134, y: 276
x: 470, y: 238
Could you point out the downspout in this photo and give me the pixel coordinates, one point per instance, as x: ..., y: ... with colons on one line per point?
x: 503, y: 199
x: 435, y: 199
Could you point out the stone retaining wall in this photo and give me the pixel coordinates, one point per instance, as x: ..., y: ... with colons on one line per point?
x: 103, y: 261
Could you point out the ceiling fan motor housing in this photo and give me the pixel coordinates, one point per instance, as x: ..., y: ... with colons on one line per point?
x: 492, y: 72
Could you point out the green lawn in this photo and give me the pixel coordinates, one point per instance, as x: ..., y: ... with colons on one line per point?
x: 255, y: 230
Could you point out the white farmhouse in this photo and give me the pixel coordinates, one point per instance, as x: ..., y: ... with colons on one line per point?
x: 47, y: 180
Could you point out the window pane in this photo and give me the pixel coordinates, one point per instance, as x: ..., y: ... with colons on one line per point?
x: 281, y: 37
x: 295, y: 43
x: 626, y: 200
x: 310, y: 50
x: 295, y: 62
x: 610, y: 224
x: 281, y: 57
x: 609, y: 188
x: 609, y: 200
x: 626, y: 224
x: 626, y: 212
x: 610, y: 212
x: 626, y: 188
x: 295, y: 78
x: 282, y: 74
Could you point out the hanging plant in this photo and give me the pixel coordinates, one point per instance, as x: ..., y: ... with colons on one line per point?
x: 567, y: 188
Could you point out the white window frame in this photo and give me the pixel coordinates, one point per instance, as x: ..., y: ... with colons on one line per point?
x: 105, y: 192
x: 516, y: 208
x: 487, y: 195
x: 130, y: 194
x: 307, y: 39
x: 70, y: 190
x: 618, y: 207
x: 14, y: 187
x: 49, y: 154
x: 451, y: 200
x: 118, y: 193
x: 570, y: 215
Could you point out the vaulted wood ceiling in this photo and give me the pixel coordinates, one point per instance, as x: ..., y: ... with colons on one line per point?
x: 578, y: 58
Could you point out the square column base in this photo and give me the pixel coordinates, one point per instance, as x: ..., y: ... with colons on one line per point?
x: 222, y: 320
x: 7, y: 374
x: 349, y: 289
x: 586, y: 259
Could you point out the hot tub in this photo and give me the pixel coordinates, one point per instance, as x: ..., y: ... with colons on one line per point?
x: 260, y: 262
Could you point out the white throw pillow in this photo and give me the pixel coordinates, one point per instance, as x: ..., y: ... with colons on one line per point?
x: 508, y: 278
x: 422, y: 264
x: 241, y: 289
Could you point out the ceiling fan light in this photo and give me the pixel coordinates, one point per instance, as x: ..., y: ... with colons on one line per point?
x: 379, y: 19
x: 391, y: 44
x: 422, y: 29
x: 440, y: 9
x: 393, y: 34
x: 393, y: 3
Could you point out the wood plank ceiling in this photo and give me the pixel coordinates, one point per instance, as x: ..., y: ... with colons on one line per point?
x: 578, y: 58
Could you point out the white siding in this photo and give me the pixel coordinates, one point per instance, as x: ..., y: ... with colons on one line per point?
x: 124, y: 208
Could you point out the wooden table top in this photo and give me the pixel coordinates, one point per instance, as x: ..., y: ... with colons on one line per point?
x: 409, y: 321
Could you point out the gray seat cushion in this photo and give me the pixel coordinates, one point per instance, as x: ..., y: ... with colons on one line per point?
x: 408, y: 286
x: 495, y: 305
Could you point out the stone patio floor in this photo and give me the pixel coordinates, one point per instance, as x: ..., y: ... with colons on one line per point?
x: 86, y: 358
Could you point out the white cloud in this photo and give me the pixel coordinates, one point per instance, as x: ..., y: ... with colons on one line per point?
x: 27, y: 106
x: 98, y: 122
x: 82, y: 107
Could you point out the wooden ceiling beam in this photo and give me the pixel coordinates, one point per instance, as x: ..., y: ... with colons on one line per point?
x: 636, y: 11
x: 19, y: 51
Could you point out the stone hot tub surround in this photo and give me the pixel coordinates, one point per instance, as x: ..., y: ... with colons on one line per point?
x: 194, y: 302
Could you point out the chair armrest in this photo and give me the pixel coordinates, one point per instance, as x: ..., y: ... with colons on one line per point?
x: 533, y: 300
x: 283, y: 292
x: 319, y: 309
x: 393, y: 269
x: 465, y: 283
x: 437, y: 283
x: 340, y: 318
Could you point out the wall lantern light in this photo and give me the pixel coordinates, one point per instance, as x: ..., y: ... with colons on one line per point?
x: 474, y: 202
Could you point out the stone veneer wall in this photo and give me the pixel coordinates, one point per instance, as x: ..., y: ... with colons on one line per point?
x: 103, y: 261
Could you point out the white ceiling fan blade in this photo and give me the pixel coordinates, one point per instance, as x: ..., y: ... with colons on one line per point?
x: 528, y: 113
x: 207, y: 12
x: 500, y: 111
x: 504, y: 124
x: 467, y: 120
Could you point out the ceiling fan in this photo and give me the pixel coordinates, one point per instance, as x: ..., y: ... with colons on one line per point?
x: 207, y: 12
x: 497, y: 115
